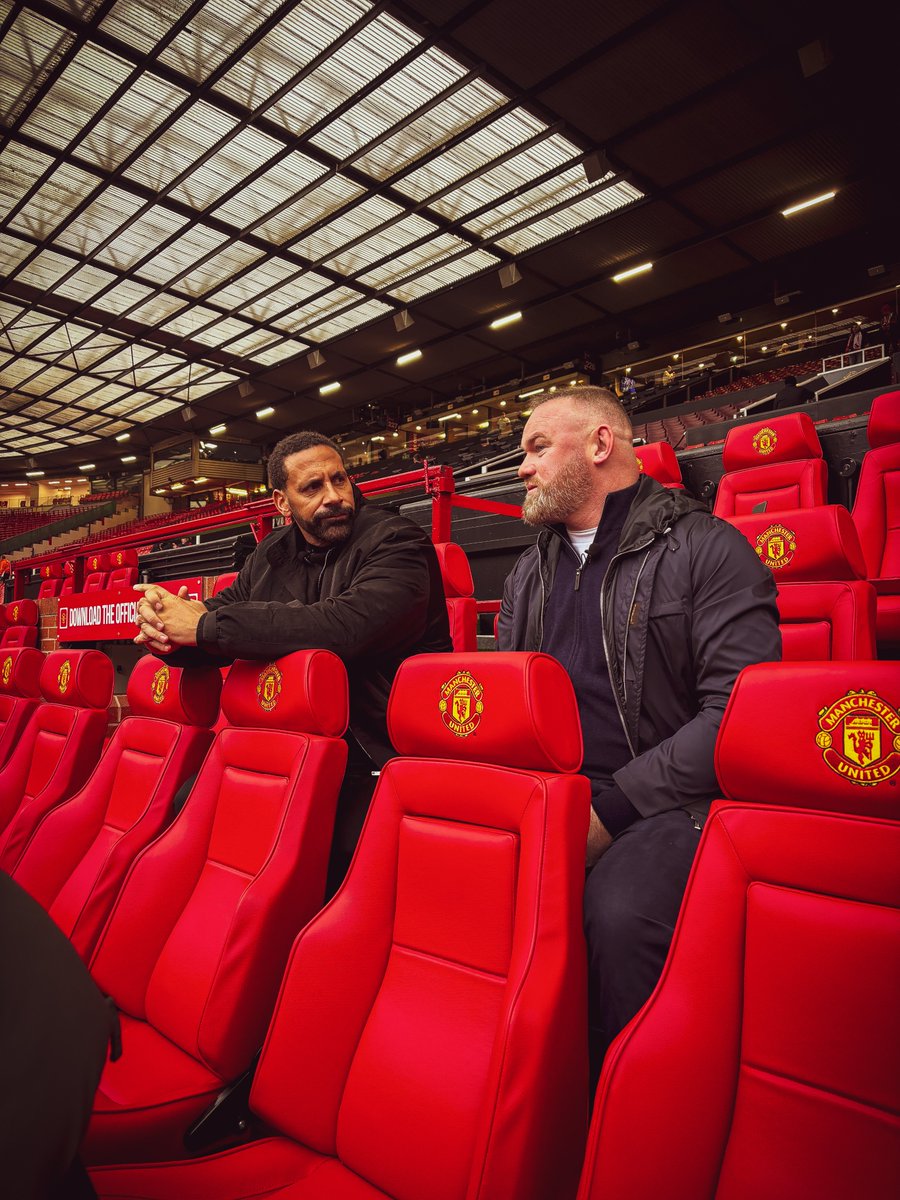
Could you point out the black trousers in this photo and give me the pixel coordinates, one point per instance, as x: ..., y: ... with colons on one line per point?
x: 631, y: 902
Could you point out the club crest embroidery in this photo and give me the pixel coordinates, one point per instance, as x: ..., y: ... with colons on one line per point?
x: 159, y: 685
x: 776, y: 546
x: 15, y: 615
x: 118, y: 557
x: 461, y: 705
x: 765, y: 440
x: 62, y: 679
x: 640, y: 465
x: 860, y: 738
x: 6, y: 674
x: 268, y: 687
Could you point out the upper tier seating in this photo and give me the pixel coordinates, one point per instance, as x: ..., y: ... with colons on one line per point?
x: 658, y: 460
x: 786, y: 956
x: 459, y: 589
x: 20, y: 691
x: 20, y: 624
x: 59, y: 747
x: 197, y: 940
x: 78, y: 855
x: 826, y: 605
x: 429, y: 1041
x: 772, y: 466
x: 876, y: 514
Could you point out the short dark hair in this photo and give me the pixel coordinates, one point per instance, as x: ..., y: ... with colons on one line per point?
x: 790, y: 381
x: 293, y: 444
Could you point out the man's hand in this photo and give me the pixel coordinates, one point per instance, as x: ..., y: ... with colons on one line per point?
x: 166, y: 621
x: 599, y: 840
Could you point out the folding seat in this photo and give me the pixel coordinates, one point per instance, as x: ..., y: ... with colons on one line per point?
x: 771, y: 467
x: 77, y: 857
x: 51, y: 580
x: 199, y: 934
x: 226, y: 579
x: 826, y: 606
x: 96, y: 571
x: 658, y: 460
x: 429, y: 1040
x: 767, y: 1061
x: 21, y: 624
x: 876, y: 514
x: 459, y: 590
x: 59, y: 746
x: 123, y: 569
x: 20, y: 671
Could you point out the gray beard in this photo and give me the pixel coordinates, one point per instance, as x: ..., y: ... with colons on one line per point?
x: 553, y: 503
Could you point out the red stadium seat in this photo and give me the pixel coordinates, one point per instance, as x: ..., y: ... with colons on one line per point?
x: 77, y: 857
x: 226, y: 579
x: 777, y: 465
x: 876, y: 513
x: 767, y: 1062
x: 459, y: 589
x: 429, y: 1040
x: 123, y: 571
x: 657, y: 459
x: 51, y: 579
x: 59, y: 747
x: 196, y: 944
x: 20, y: 691
x: 96, y: 571
x: 20, y: 624
x: 68, y: 586
x: 825, y: 604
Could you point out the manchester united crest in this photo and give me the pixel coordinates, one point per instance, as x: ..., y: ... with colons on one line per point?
x: 6, y: 673
x: 776, y: 546
x: 15, y: 615
x: 62, y: 679
x: 640, y: 464
x: 860, y: 738
x: 461, y: 705
x: 159, y: 685
x: 268, y: 687
x: 765, y: 440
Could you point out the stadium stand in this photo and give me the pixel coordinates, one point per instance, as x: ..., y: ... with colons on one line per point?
x: 788, y: 924
x: 20, y: 672
x: 197, y: 940
x: 77, y: 857
x: 771, y: 466
x: 461, y: 917
x: 876, y: 514
x: 20, y: 624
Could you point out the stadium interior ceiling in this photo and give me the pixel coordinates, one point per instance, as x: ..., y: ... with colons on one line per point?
x: 219, y: 208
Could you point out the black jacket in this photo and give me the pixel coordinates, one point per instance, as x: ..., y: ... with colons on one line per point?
x: 374, y: 600
x: 685, y: 605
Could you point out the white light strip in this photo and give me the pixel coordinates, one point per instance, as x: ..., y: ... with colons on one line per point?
x: 449, y: 417
x: 263, y: 412
x: 647, y: 266
x: 412, y: 356
x: 507, y: 320
x: 88, y: 467
x: 130, y: 458
x: 535, y: 392
x: 122, y: 437
x: 217, y: 429
x: 327, y: 388
x: 33, y: 474
x: 795, y: 208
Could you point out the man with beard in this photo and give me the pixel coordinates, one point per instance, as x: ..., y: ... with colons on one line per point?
x: 360, y: 581
x: 653, y: 606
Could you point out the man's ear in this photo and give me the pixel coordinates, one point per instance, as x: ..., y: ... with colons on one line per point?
x: 279, y: 499
x: 601, y: 442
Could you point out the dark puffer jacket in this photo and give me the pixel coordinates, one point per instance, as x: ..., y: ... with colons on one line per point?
x: 685, y: 605
x: 374, y: 600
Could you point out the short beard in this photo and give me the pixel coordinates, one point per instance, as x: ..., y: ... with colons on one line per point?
x: 553, y: 503
x: 324, y: 529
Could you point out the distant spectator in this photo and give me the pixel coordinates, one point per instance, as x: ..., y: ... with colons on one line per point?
x: 854, y: 338
x: 668, y: 376
x: 790, y: 395
x: 784, y: 348
x: 6, y: 574
x: 888, y: 329
x: 504, y: 424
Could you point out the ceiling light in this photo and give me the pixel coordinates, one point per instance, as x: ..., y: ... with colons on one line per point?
x: 647, y: 266
x: 233, y: 491
x: 88, y: 467
x: 264, y: 412
x: 418, y: 429
x: 784, y: 324
x: 53, y: 482
x: 702, y: 365
x: 474, y: 412
x: 327, y: 388
x: 33, y: 474
x: 675, y: 357
x: 795, y: 208
x: 507, y: 320
x: 764, y: 348
x: 217, y: 429
x: 739, y: 338
x: 378, y: 438
x: 395, y: 434
x: 201, y: 479
x: 735, y: 358
x: 122, y: 437
x: 533, y: 392
x: 503, y: 404
x: 627, y: 372
x: 176, y: 487
x: 484, y: 424
x: 835, y: 310
x: 449, y: 417
x: 411, y: 356
x: 130, y: 458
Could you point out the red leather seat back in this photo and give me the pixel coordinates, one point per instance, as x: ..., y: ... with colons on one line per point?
x: 68, y: 586
x: 20, y: 623
x: 49, y: 587
x: 96, y: 571
x: 59, y: 747
x: 226, y: 579
x: 876, y: 512
x: 196, y: 943
x: 789, y: 931
x: 459, y: 589
x: 20, y: 671
x: 77, y: 857
x: 19, y: 635
x: 827, y: 620
x: 777, y: 463
x: 461, y: 915
x: 123, y: 569
x: 657, y: 459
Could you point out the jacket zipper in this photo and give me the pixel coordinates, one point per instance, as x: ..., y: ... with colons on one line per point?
x: 322, y: 572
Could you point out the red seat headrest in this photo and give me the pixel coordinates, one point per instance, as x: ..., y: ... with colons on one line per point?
x: 822, y: 735
x: 97, y: 561
x: 51, y: 570
x: 82, y: 678
x: 224, y: 581
x: 805, y: 544
x: 304, y: 692
x: 884, y: 420
x: 455, y: 570
x: 658, y: 460
x: 777, y: 439
x: 121, y: 558
x: 511, y: 708
x: 187, y: 695
x: 20, y: 672
x: 22, y: 612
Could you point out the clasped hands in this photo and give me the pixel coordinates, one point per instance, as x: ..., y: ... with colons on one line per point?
x: 166, y: 621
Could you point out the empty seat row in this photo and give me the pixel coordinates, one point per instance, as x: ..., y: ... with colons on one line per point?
x: 103, y: 570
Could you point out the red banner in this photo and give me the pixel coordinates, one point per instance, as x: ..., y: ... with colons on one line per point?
x: 109, y: 616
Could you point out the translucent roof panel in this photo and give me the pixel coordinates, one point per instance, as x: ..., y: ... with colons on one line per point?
x: 351, y: 318
x: 87, y: 82
x: 28, y: 48
x: 572, y: 217
x: 445, y: 275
